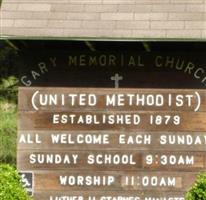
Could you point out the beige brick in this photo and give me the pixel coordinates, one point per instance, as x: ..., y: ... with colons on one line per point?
x: 108, y: 25
x: 58, y: 15
x: 40, y: 15
x: 101, y: 8
x: 49, y: 15
x: 6, y: 23
x: 148, y: 34
x: 142, y: 16
x: 83, y: 16
x: 85, y: 33
x: 15, y: 15
x: 167, y: 25
x: 83, y: 2
x: 34, y: 1
x: 64, y: 24
x: 125, y: 2
x: 133, y: 25
x: 204, y: 34
x: 9, y: 6
x: 195, y: 25
x: 30, y: 23
x: 122, y: 34
x: 168, y: 8
x: 151, y: 16
x: 184, y: 34
x: 135, y: 8
x: 188, y: 1
x: 30, y: 32
x: 45, y: 32
x: 146, y: 19
x: 6, y: 31
x: 117, y: 16
x: 80, y: 33
x: 67, y: 8
x: 152, y: 2
x: 159, y: 16
x: 196, y: 8
x: 97, y: 33
x: 34, y: 7
x: 48, y: 32
x: 186, y: 16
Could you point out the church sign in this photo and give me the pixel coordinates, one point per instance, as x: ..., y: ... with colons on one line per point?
x: 110, y: 143
x: 104, y: 69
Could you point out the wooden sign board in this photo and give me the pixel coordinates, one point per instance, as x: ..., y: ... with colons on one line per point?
x: 90, y: 129
x: 111, y: 144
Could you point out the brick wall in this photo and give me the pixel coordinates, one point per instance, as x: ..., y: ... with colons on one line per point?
x: 138, y: 19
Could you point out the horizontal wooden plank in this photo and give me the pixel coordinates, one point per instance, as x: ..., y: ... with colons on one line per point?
x: 127, y: 121
x: 113, y: 181
x: 111, y: 140
x: 73, y: 99
x: 110, y: 160
x: 102, y: 160
x: 108, y: 195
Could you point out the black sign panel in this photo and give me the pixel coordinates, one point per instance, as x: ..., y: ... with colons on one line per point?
x: 27, y: 181
x: 114, y: 69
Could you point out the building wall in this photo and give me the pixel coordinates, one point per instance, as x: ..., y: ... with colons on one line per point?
x: 120, y: 19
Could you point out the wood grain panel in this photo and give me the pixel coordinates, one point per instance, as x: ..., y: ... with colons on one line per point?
x: 109, y: 195
x: 149, y: 163
x: 43, y: 121
x: 81, y: 160
x: 114, y: 181
x: 111, y: 140
x: 110, y: 160
x: 128, y: 99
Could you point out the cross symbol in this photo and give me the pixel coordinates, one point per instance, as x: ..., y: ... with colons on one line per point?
x: 116, y: 78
